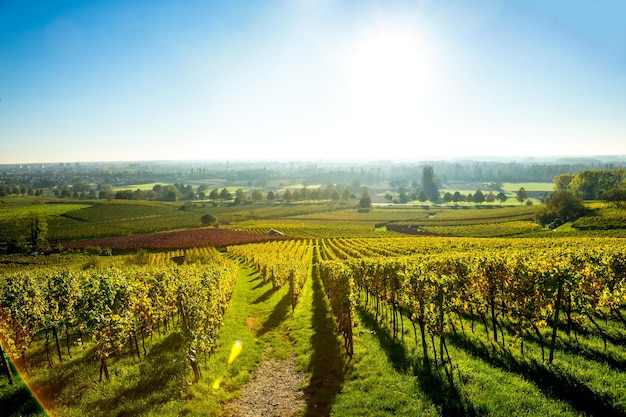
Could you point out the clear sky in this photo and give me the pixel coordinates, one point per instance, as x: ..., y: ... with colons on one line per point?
x: 310, y: 79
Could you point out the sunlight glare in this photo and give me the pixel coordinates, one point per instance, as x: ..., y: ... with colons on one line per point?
x: 234, y: 352
x: 391, y: 79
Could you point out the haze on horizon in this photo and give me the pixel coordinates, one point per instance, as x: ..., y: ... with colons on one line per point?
x: 305, y: 79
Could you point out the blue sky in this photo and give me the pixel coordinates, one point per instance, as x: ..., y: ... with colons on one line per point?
x: 310, y: 79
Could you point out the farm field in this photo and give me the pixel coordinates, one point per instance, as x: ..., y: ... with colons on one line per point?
x: 513, y: 187
x: 101, y: 218
x: 19, y: 211
x: 171, y: 240
x: 358, y: 319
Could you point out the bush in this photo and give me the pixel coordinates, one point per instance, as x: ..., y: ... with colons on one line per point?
x: 209, y: 219
x: 562, y: 205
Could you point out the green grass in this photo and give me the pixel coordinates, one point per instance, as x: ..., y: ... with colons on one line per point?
x: 20, y: 211
x: 256, y: 317
x: 389, y: 376
x: 317, y: 347
x: 513, y: 187
x: 133, y: 187
x: 17, y: 400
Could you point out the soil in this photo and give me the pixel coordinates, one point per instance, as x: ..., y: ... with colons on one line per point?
x: 274, y: 391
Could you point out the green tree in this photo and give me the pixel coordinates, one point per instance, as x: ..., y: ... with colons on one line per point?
x: 561, y: 182
x: 240, y: 195
x: 38, y: 233
x: 616, y: 196
x: 563, y: 206
x: 287, y: 195
x: 256, y: 195
x: 225, y: 195
x: 296, y: 195
x: 16, y: 236
x: 428, y: 181
x: 347, y: 195
x: 521, y: 195
x: 366, y: 201
x: 447, y: 197
x: 209, y: 219
x: 422, y: 196
x: 315, y: 194
x: 592, y: 184
x: 479, y: 197
x: 501, y: 197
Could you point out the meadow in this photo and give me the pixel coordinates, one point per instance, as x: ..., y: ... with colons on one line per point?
x: 502, y: 318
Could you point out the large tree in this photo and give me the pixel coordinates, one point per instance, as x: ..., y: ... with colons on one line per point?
x: 209, y: 219
x: 479, y: 197
x: 38, y: 233
x: 429, y: 186
x: 225, y: 195
x: 563, y: 206
x: 562, y: 181
x: 366, y: 201
x: 616, y: 196
x: 521, y: 195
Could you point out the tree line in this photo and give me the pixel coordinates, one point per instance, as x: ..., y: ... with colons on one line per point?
x: 594, y: 184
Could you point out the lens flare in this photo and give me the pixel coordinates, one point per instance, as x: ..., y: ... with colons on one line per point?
x: 234, y: 352
x: 217, y: 383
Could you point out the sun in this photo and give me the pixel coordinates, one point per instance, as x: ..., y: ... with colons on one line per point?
x: 391, y: 78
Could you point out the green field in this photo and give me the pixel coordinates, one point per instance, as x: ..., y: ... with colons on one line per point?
x: 16, y: 209
x: 133, y: 187
x: 513, y: 187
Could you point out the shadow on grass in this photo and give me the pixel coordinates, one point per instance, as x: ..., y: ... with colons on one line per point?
x: 62, y: 378
x: 394, y: 349
x: 436, y: 384
x: 283, y: 307
x: 16, y: 400
x: 327, y: 365
x: 254, y: 275
x: 161, y: 371
x: 263, y: 297
x: 594, y: 355
x: 259, y: 285
x: 551, y: 380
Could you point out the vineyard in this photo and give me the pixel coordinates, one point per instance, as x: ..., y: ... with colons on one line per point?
x: 171, y: 240
x: 524, y: 322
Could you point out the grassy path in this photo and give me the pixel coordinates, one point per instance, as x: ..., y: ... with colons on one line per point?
x: 262, y: 320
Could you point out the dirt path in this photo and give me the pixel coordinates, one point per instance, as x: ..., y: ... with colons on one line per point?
x: 274, y: 391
